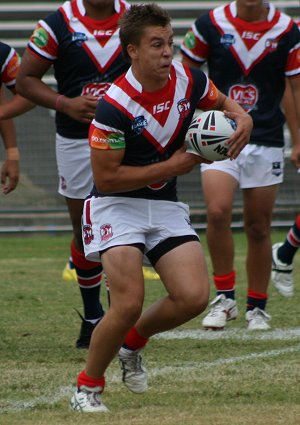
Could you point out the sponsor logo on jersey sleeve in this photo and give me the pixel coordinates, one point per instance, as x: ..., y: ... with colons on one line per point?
x: 190, y: 40
x: 40, y: 37
x: 138, y: 124
x: 12, y: 67
x: 105, y: 140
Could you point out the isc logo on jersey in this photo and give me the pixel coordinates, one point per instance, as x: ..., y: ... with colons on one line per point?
x: 165, y: 106
x: 249, y: 35
x: 106, y: 33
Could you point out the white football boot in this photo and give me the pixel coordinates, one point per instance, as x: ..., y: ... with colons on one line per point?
x: 221, y: 311
x: 257, y: 320
x: 282, y: 274
x: 134, y: 373
x: 88, y: 400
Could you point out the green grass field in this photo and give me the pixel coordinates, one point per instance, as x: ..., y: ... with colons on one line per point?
x: 195, y: 377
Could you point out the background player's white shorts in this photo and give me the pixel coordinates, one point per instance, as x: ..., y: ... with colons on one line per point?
x: 112, y: 221
x: 74, y: 167
x: 256, y: 166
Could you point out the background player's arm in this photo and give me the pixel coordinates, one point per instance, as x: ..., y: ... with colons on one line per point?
x: 10, y: 167
x: 291, y: 107
x: 17, y: 105
x: 31, y: 86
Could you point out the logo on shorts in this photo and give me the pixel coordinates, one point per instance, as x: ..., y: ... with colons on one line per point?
x: 87, y: 234
x: 106, y: 232
x: 63, y: 183
x: 276, y: 169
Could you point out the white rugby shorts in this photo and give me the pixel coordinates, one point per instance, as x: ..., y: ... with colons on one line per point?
x: 112, y: 221
x: 74, y: 167
x: 256, y: 166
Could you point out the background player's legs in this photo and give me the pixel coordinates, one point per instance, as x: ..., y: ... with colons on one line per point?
x: 282, y: 260
x: 219, y: 188
x: 258, y: 207
x: 89, y: 275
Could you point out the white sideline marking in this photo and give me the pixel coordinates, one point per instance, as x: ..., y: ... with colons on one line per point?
x: 237, y: 334
x: 196, y: 367
x: 199, y: 367
x: 34, y: 402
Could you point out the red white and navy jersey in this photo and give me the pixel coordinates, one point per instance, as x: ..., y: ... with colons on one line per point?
x: 9, y: 65
x: 151, y: 126
x: 85, y: 53
x: 248, y: 61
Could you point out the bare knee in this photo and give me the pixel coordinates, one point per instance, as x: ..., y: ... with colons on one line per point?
x: 257, y: 231
x: 195, y: 304
x: 218, y: 215
x: 129, y: 312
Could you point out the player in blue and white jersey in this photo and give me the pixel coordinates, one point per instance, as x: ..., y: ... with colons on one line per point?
x: 80, y: 41
x: 250, y: 47
x: 137, y: 150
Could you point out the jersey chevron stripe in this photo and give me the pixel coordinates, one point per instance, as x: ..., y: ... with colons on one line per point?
x: 102, y: 56
x: 249, y: 57
x: 155, y: 131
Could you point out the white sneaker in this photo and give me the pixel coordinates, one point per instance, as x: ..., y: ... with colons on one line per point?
x: 222, y: 309
x: 134, y: 373
x: 257, y: 320
x: 88, y: 400
x: 282, y: 274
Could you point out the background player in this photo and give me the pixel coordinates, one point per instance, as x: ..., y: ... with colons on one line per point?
x: 80, y: 40
x: 9, y: 64
x: 250, y: 47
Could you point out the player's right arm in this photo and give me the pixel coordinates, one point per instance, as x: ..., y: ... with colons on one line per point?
x: 31, y: 86
x: 111, y: 175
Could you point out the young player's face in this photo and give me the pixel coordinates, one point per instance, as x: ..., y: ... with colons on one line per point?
x: 151, y: 59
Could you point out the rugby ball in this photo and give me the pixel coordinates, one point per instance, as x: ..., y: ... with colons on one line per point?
x: 208, y: 134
